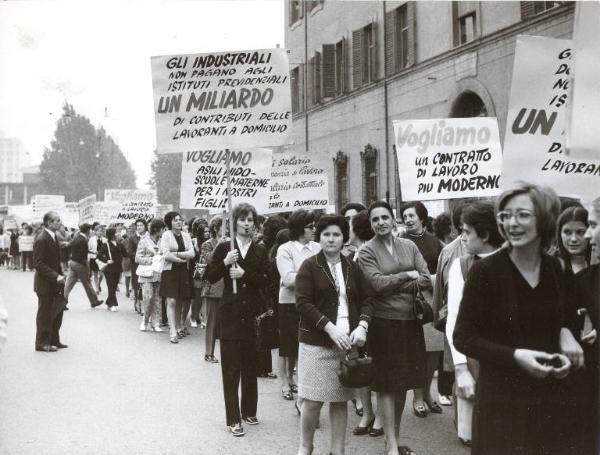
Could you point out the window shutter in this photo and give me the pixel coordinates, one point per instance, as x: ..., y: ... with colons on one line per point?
x: 357, y: 37
x: 527, y: 9
x: 374, y: 59
x: 344, y: 67
x: 411, y: 17
x: 310, y: 71
x: 390, y: 42
x: 328, y: 71
x: 317, y: 78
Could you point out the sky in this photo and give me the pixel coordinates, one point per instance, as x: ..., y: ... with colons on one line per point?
x: 96, y: 55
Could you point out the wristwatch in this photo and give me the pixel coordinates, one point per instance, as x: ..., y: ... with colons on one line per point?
x: 364, y: 325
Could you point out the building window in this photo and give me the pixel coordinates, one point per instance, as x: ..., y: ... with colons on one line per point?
x: 314, y: 79
x: 333, y: 69
x: 295, y: 11
x: 532, y: 8
x: 364, y: 55
x: 312, y: 4
x: 340, y: 67
x: 464, y: 18
x: 466, y: 26
x: 369, y: 173
x: 295, y: 83
x: 399, y: 38
x: 340, y: 167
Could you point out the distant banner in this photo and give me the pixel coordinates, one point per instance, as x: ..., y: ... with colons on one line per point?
x: 86, y: 209
x: 126, y: 206
x: 536, y: 122
x: 23, y: 213
x: 43, y: 203
x: 102, y: 212
x: 299, y: 180
x: 448, y: 158
x: 9, y: 222
x: 69, y: 215
x: 204, y: 181
x: 163, y: 209
x: 222, y: 100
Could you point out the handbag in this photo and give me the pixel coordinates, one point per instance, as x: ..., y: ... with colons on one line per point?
x: 101, y: 264
x: 421, y: 308
x: 356, y: 370
x: 266, y: 331
x: 144, y: 271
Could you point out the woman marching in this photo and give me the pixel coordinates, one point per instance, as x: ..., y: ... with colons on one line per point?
x: 248, y: 265
x: 111, y: 252
x: 334, y: 301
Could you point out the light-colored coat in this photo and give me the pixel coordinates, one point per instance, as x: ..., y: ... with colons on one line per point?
x: 168, y: 248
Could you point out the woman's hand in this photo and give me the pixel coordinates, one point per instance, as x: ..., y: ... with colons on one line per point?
x: 464, y: 382
x: 531, y: 362
x: 232, y: 257
x: 358, y: 337
x: 338, y: 336
x: 563, y: 370
x: 110, y: 261
x: 413, y: 274
x: 590, y: 337
x: 236, y: 272
x: 571, y: 348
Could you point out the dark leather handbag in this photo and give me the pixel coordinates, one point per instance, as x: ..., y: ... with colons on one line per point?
x: 356, y: 370
x: 421, y: 308
x: 266, y: 331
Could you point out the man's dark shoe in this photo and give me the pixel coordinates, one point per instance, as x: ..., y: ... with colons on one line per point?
x: 98, y: 303
x: 46, y: 348
x: 61, y: 346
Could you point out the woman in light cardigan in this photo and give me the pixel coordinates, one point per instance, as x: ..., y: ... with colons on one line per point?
x: 177, y: 249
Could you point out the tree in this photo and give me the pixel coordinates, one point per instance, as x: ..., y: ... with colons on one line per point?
x: 83, y: 160
x: 165, y: 177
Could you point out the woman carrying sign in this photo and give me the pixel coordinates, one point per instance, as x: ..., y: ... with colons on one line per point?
x: 248, y: 264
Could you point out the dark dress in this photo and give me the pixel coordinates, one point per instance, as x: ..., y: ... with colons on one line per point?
x: 176, y: 283
x: 514, y: 413
x: 429, y: 246
x: 112, y: 272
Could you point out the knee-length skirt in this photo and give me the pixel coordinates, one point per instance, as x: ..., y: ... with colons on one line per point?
x: 317, y: 374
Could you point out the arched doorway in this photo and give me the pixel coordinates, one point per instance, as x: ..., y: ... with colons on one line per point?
x: 468, y: 104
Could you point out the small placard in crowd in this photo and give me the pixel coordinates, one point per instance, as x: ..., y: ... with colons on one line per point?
x: 86, y: 209
x: 126, y: 206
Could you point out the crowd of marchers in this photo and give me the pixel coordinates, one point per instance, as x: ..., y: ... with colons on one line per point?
x: 513, y: 282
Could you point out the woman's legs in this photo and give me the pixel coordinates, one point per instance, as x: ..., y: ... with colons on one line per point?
x: 23, y: 260
x: 310, y: 417
x: 338, y: 415
x: 423, y: 394
x: 196, y: 306
x: 211, y: 306
x: 149, y: 299
x: 367, y: 404
x: 171, y: 316
x: 391, y: 405
x: 282, y: 366
x: 112, y: 280
x: 127, y: 285
x: 185, y: 309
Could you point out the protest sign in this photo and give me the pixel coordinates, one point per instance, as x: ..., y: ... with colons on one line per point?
x: 86, y: 209
x: 584, y: 105
x: 9, y: 222
x: 103, y: 211
x: 448, y: 158
x: 536, y: 121
x: 222, y: 100
x: 43, y: 203
x: 204, y: 181
x: 163, y: 209
x: 69, y: 214
x: 126, y: 206
x: 22, y: 213
x: 299, y: 180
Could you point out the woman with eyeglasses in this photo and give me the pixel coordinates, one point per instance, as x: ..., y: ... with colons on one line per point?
x: 290, y: 257
x: 177, y: 249
x: 394, y: 267
x: 511, y: 321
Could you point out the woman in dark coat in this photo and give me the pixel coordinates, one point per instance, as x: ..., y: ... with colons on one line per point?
x: 511, y: 320
x: 248, y: 264
x: 112, y: 272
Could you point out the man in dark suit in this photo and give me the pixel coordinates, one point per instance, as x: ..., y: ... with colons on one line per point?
x: 78, y: 266
x: 48, y: 285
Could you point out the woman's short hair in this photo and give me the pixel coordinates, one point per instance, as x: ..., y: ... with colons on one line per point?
x: 572, y: 213
x: 271, y: 227
x: 197, y: 226
x: 361, y: 226
x: 156, y: 225
x: 110, y: 233
x: 480, y: 216
x: 381, y: 204
x: 214, y: 225
x: 85, y: 228
x: 298, y: 220
x: 442, y: 226
x: 241, y: 210
x: 352, y: 206
x: 143, y: 221
x: 29, y: 230
x: 169, y: 217
x: 546, y: 207
x: 419, y: 207
x: 333, y: 220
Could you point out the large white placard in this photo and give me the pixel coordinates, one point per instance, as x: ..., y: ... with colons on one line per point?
x: 126, y: 206
x: 204, y: 181
x: 43, y: 203
x: 448, y: 158
x: 69, y: 214
x: 299, y: 180
x: 86, y: 209
x: 536, y: 122
x: 222, y: 100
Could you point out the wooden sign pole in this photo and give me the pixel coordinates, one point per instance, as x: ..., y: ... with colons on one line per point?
x: 230, y: 209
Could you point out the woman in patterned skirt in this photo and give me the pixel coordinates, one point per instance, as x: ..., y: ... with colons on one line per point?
x: 334, y: 301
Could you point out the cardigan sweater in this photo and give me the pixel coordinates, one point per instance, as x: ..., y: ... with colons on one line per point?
x: 394, y: 290
x: 168, y: 248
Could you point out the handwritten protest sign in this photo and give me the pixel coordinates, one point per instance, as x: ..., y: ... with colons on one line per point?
x: 163, y: 209
x: 536, y: 121
x: 584, y: 109
x: 299, y: 180
x: 22, y: 213
x: 9, y: 222
x: 43, y: 203
x: 126, y: 206
x: 204, y: 181
x: 103, y: 210
x: 448, y: 158
x: 69, y: 214
x: 222, y: 100
x: 86, y: 209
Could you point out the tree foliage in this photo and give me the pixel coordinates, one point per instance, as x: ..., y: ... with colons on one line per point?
x: 82, y: 160
x: 165, y: 177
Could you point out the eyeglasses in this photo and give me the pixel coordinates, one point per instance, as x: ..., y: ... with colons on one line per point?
x: 522, y: 216
x: 310, y: 226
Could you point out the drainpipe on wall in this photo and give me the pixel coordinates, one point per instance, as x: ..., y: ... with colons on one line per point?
x: 385, y: 116
x: 305, y: 77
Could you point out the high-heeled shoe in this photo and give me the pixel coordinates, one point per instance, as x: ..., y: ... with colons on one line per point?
x: 360, y: 431
x: 433, y: 407
x: 287, y: 394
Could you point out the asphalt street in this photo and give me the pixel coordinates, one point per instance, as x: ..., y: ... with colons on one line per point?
x: 116, y: 390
